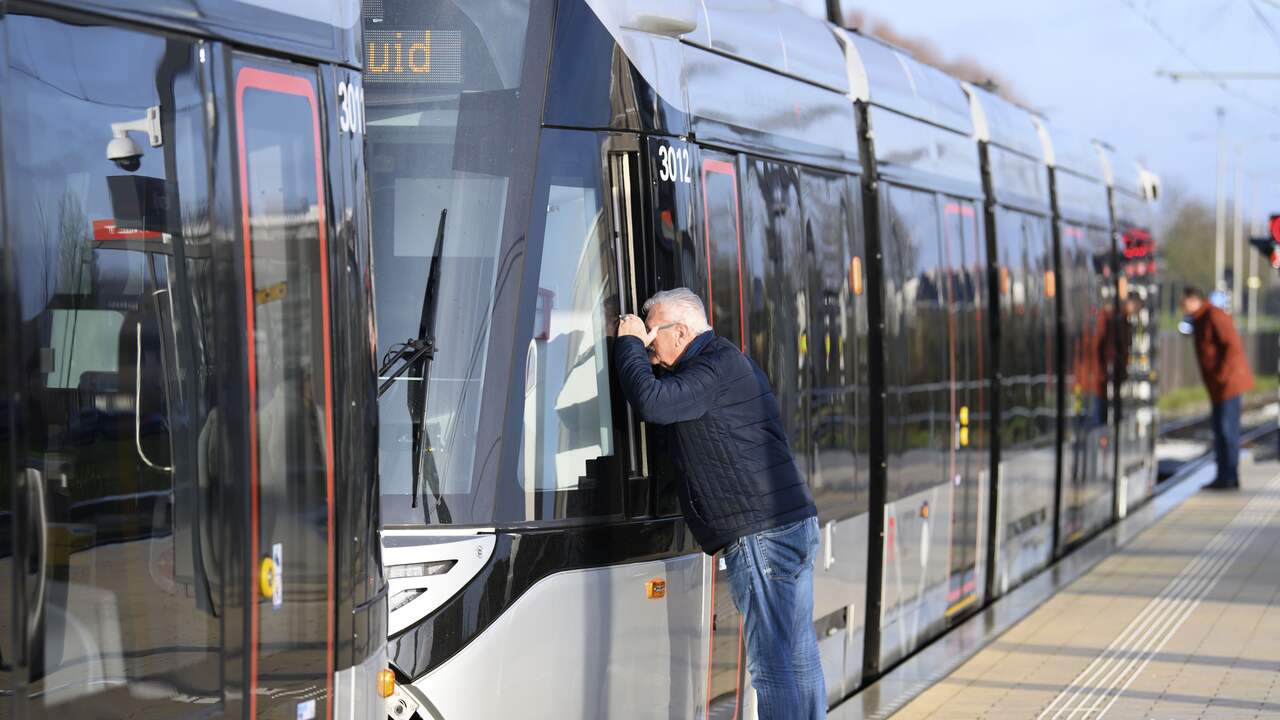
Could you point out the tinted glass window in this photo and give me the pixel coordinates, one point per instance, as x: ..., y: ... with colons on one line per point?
x: 779, y: 289
x: 568, y: 462
x: 724, y: 245
x: 1028, y: 392
x: 442, y: 81
x: 917, y: 402
x: 836, y: 435
x: 1089, y: 352
x: 290, y: 382
x: 119, y: 396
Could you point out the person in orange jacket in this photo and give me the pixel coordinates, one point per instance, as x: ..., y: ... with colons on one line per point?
x: 1224, y: 367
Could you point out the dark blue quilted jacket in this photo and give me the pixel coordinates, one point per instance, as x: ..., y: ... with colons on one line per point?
x: 725, y: 435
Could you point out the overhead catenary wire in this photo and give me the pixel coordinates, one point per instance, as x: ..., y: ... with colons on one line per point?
x: 1186, y: 54
x: 1266, y: 22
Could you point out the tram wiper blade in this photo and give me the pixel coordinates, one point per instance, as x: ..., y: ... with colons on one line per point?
x: 416, y: 354
x: 411, y: 352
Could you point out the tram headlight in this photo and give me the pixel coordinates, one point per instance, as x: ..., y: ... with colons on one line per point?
x: 415, y: 570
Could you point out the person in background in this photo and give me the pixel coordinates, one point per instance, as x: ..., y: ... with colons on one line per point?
x: 740, y: 490
x: 1225, y: 370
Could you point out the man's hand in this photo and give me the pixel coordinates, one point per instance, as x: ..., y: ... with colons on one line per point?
x: 634, y: 326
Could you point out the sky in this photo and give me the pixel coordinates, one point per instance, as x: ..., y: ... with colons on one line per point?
x: 1091, y: 66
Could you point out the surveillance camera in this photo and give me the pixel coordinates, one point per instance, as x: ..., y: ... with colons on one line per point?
x: 126, y: 153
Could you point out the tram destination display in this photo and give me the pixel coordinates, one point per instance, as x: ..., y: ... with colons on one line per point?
x: 399, y: 55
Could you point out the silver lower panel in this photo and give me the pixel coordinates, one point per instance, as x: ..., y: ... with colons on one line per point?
x: 585, y: 644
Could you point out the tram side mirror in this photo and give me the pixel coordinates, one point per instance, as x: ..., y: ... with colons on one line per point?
x: 661, y: 17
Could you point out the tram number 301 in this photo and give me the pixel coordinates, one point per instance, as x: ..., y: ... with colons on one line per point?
x: 351, y: 108
x: 674, y: 164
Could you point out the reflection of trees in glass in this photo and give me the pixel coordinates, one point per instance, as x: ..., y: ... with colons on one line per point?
x: 67, y: 240
x: 77, y: 264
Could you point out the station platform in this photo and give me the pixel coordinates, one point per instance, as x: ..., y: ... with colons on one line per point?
x: 1181, y: 621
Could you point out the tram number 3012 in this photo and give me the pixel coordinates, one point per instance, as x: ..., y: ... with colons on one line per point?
x: 351, y: 108
x: 674, y: 164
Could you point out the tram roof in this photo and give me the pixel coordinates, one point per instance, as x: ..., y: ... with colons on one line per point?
x: 899, y: 82
x: 1073, y: 152
x: 324, y: 30
x: 1000, y: 122
x: 777, y: 36
x: 1123, y: 172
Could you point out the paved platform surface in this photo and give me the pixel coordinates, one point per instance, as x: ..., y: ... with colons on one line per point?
x: 1182, y: 622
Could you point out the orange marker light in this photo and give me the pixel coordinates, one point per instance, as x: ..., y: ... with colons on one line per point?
x: 655, y: 589
x: 386, y: 683
x: 1050, y: 284
x: 855, y: 275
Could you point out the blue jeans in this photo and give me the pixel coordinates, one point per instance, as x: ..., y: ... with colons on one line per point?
x: 1226, y: 440
x: 771, y: 575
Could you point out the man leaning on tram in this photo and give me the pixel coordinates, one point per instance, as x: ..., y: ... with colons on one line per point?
x: 740, y: 490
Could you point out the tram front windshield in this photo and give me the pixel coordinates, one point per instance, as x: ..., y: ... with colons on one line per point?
x: 441, y: 82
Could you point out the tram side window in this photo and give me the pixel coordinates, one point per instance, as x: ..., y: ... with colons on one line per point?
x: 776, y: 270
x: 833, y: 426
x: 112, y: 377
x: 918, y: 424
x: 1018, y: 359
x: 723, y: 238
x: 569, y: 464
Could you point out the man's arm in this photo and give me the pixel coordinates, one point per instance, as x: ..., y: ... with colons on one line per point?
x: 679, y: 396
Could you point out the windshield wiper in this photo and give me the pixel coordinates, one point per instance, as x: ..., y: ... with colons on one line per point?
x: 417, y: 354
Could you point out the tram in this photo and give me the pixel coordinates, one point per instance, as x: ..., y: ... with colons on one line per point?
x: 189, y: 503
x: 949, y: 297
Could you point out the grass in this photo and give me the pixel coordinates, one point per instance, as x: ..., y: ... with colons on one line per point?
x: 1186, y: 400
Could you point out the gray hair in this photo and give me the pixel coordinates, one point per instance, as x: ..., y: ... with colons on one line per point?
x: 683, y: 305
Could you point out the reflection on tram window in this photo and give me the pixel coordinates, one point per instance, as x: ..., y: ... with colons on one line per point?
x: 776, y: 273
x: 568, y: 464
x: 291, y: 387
x: 441, y: 141
x: 918, y: 423
x: 837, y: 435
x: 125, y: 577
x: 796, y: 226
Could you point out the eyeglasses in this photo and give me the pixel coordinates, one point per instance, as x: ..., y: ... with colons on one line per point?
x: 655, y: 332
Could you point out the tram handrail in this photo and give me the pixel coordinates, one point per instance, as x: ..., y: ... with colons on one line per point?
x: 35, y: 488
x: 137, y: 405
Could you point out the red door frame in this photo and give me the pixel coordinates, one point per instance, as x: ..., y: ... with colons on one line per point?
x: 287, y: 84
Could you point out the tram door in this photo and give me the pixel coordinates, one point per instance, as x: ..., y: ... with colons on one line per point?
x: 289, y: 431
x: 964, y: 261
